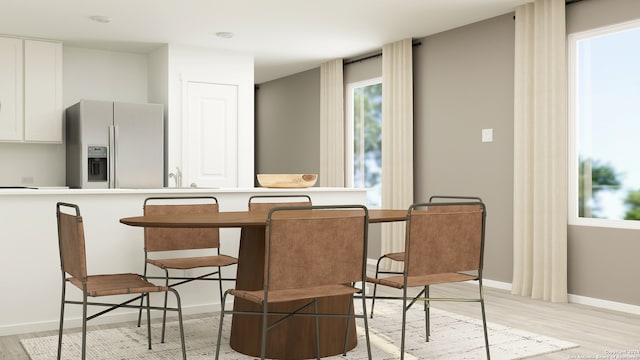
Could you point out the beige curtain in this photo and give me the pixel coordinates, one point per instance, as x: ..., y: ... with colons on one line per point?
x: 540, y: 152
x: 332, y: 172
x: 397, y: 138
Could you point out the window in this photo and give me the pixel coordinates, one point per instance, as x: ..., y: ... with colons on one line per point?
x: 604, y: 115
x: 364, y: 131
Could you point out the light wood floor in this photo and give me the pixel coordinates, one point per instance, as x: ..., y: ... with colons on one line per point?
x: 598, y: 332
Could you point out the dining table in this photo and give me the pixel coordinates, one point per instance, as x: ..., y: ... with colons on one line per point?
x: 294, y: 338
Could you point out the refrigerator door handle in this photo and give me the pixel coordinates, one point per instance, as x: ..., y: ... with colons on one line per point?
x: 112, y: 156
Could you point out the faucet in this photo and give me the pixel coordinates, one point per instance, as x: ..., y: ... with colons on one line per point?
x: 177, y: 176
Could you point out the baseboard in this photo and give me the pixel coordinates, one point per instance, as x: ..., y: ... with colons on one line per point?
x: 577, y: 299
x: 574, y: 299
x: 604, y: 304
x: 76, y: 322
x: 496, y: 284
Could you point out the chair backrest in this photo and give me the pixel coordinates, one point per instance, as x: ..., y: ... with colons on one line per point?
x: 166, y: 239
x: 315, y: 245
x: 266, y: 202
x: 445, y: 237
x: 73, y: 259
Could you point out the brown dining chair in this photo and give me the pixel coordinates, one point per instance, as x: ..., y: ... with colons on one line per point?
x: 398, y: 257
x: 266, y: 202
x: 73, y: 262
x: 311, y: 252
x: 176, y: 240
x: 444, y: 244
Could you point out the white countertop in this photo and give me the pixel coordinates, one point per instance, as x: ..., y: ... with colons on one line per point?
x: 66, y: 191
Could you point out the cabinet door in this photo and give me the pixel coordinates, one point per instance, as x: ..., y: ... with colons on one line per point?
x: 42, y: 91
x: 11, y: 128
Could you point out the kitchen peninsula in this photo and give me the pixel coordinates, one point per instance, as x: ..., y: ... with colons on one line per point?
x: 29, y: 254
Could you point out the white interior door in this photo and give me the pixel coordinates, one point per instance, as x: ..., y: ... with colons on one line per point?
x: 210, y: 135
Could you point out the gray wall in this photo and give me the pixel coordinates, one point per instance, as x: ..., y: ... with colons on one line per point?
x: 463, y: 82
x: 288, y: 125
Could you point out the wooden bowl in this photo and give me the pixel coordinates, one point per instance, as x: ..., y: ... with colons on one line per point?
x: 287, y: 180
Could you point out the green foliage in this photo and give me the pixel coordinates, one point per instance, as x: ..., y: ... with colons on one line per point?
x: 603, y: 177
x: 633, y: 202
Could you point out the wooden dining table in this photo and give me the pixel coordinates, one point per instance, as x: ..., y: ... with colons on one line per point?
x: 294, y: 338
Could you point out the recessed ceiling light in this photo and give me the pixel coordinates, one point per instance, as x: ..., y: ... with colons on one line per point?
x: 224, y: 34
x: 100, y: 19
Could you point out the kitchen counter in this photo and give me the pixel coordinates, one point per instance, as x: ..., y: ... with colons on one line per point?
x: 29, y: 246
x: 61, y: 190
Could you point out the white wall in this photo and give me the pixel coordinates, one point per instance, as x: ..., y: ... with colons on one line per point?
x: 157, y: 76
x: 103, y: 75
x: 32, y: 164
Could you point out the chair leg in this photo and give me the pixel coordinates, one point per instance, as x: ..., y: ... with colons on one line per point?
x: 148, y: 317
x: 144, y: 276
x: 179, y: 307
x: 61, y: 318
x: 366, y: 327
x: 164, y: 311
x: 263, y: 350
x: 404, y: 322
x: 375, y: 286
x: 484, y: 323
x: 220, y: 280
x: 84, y: 322
x: 224, y: 298
x: 315, y: 308
x: 427, y: 314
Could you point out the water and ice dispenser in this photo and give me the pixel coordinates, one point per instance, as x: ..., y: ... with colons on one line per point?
x: 97, y: 163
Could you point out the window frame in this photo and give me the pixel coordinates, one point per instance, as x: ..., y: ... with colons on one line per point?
x: 573, y: 141
x: 349, y: 124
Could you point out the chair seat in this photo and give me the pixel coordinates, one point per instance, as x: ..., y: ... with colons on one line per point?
x: 276, y: 296
x: 399, y: 256
x: 424, y: 280
x: 117, y: 284
x: 193, y: 262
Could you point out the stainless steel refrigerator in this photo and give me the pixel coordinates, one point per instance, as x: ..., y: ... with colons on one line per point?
x: 114, y: 145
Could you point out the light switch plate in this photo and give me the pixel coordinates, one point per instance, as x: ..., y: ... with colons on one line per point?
x: 487, y: 135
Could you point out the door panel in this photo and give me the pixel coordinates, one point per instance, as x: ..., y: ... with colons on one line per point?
x: 211, y: 135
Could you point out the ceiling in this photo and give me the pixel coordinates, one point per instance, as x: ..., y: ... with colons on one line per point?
x: 283, y: 36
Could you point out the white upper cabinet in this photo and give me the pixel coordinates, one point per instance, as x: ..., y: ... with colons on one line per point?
x: 42, y: 91
x: 11, y: 90
x: 30, y: 90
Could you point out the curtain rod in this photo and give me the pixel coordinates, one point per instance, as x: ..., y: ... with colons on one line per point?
x: 373, y: 55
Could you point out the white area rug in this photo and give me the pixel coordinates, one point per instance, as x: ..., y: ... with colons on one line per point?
x: 452, y: 337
